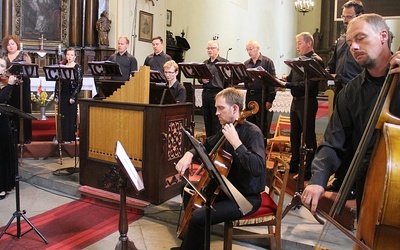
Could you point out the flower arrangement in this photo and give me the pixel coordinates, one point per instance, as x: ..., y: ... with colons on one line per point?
x: 41, y: 98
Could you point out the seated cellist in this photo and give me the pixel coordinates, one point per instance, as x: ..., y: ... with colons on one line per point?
x: 369, y: 40
x: 247, y: 173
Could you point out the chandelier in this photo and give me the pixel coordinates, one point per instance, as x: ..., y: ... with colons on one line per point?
x: 304, y: 6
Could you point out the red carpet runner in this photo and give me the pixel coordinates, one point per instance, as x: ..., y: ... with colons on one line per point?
x: 75, y: 225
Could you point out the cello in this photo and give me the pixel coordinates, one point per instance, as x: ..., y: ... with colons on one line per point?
x: 379, y: 219
x: 223, y: 161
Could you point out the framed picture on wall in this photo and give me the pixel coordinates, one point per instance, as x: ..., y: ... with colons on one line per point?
x: 145, y: 26
x: 169, y: 17
x: 32, y: 20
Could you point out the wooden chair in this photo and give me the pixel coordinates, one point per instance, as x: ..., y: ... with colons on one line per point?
x: 268, y: 215
x: 280, y: 139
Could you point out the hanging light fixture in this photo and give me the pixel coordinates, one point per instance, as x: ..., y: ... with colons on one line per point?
x: 304, y: 6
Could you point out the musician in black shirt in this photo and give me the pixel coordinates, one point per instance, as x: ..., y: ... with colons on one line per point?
x: 296, y: 84
x: 127, y: 63
x: 157, y: 59
x: 248, y: 172
x: 255, y: 89
x: 367, y: 37
x: 211, y: 87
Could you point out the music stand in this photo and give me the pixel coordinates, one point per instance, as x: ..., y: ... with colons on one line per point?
x: 195, y: 71
x: 161, y: 94
x: 23, y: 69
x: 263, y: 75
x: 59, y: 73
x: 106, y: 69
x: 216, y: 181
x: 14, y: 112
x: 157, y: 77
x: 311, y: 70
x: 127, y: 171
x: 234, y: 72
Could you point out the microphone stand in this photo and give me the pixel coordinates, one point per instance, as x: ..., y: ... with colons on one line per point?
x: 227, y: 53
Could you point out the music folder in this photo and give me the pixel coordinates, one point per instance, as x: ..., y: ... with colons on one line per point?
x: 104, y: 68
x: 224, y: 184
x: 59, y: 71
x: 14, y: 112
x: 25, y: 69
x: 195, y: 70
x: 127, y: 167
x: 261, y: 73
x: 161, y: 94
x: 308, y: 66
x: 234, y: 72
x: 157, y: 77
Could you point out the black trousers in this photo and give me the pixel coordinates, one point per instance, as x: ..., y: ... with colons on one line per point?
x: 296, y: 130
x: 211, y: 121
x: 265, y: 123
x: 223, y: 210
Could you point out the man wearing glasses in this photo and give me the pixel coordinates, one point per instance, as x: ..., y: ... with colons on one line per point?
x: 171, y: 70
x: 211, y: 87
x: 346, y: 68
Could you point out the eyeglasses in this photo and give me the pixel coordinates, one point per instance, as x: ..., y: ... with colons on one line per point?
x: 348, y: 17
x: 210, y: 48
x: 169, y: 72
x: 249, y: 49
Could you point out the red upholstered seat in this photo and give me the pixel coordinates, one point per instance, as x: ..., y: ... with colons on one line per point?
x: 268, y: 207
x: 269, y: 214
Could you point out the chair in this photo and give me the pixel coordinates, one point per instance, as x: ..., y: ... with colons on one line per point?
x: 280, y: 138
x: 268, y: 215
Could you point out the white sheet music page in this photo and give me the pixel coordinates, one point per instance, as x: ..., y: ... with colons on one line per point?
x: 128, y: 166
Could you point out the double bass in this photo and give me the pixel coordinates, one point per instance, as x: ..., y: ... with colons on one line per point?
x: 223, y: 161
x: 379, y: 219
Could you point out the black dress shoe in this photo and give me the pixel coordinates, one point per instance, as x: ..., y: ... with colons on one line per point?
x: 3, y: 195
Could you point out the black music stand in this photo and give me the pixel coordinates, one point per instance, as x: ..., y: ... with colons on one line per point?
x: 266, y: 80
x: 234, y: 72
x: 311, y: 70
x: 157, y: 77
x: 195, y: 71
x: 263, y: 75
x: 161, y: 94
x: 216, y: 181
x: 59, y: 73
x: 103, y: 71
x: 23, y: 69
x: 127, y: 171
x: 11, y: 112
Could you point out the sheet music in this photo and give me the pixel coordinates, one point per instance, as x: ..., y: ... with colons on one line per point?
x: 123, y: 158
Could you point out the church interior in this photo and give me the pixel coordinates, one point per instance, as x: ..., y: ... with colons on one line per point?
x: 57, y: 180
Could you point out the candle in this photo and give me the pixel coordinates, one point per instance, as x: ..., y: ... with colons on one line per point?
x: 59, y: 46
x: 21, y: 46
